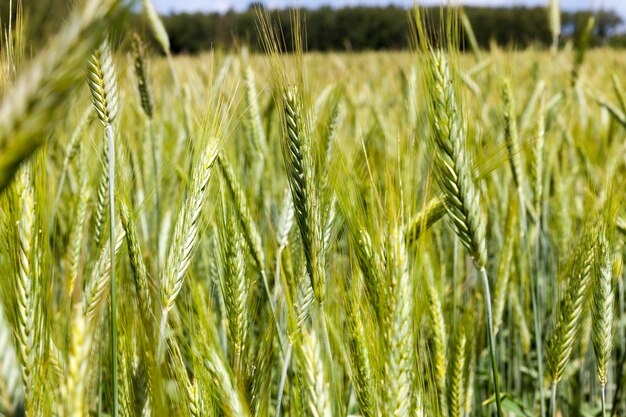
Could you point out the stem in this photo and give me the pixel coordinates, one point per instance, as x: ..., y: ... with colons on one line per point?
x: 100, y: 380
x: 329, y: 354
x: 161, y: 335
x: 538, y: 344
x: 603, y: 390
x: 157, y: 204
x: 553, y: 400
x: 110, y: 136
x: 279, y: 253
x: 57, y: 198
x: 523, y: 218
x: 536, y: 313
x: 455, y: 269
x: 170, y: 62
x: 325, y: 334
x: 534, y: 281
x: 619, y: 382
x: 268, y: 294
x: 622, y: 350
x: 492, y: 348
x: 283, y: 379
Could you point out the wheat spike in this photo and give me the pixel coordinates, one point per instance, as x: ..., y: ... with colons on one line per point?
x: 139, y: 61
x: 373, y: 270
x: 138, y: 267
x: 285, y: 222
x: 470, y: 381
x: 457, y: 366
x: 189, y: 387
x: 142, y: 387
x: 28, y: 113
x: 619, y: 92
x: 560, y: 344
x: 102, y: 81
x: 75, y: 384
x: 77, y: 237
x: 538, y: 160
x: 225, y: 389
x: 298, y: 161
x: 248, y: 226
x: 454, y: 174
x: 362, y: 374
x: 100, y: 278
x: 602, y: 307
x: 101, y: 77
x: 440, y: 338
x: 469, y: 31
x: 234, y: 289
x: 102, y: 196
x: 231, y: 400
x: 24, y: 205
x: 125, y: 382
x: 256, y: 123
x: 156, y: 26
x: 186, y: 234
x: 313, y: 374
x: 305, y: 299
x: 11, y: 389
x: 571, y: 308
x: 511, y: 137
x: 453, y: 169
x: 160, y: 34
x: 432, y: 212
x: 399, y: 366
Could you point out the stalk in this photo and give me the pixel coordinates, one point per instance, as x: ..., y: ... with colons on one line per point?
x: 157, y: 197
x: 101, y: 77
x: 108, y: 133
x: 453, y: 172
x: 492, y: 345
x: 603, y: 391
x: 538, y: 338
x: 553, y: 400
x: 538, y: 171
x: 283, y: 379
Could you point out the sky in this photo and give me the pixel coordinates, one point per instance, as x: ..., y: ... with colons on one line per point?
x: 167, y: 6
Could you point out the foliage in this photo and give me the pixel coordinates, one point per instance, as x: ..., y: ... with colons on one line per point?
x: 377, y: 28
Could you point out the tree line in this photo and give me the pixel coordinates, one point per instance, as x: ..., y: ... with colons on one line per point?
x: 377, y: 28
x: 349, y: 28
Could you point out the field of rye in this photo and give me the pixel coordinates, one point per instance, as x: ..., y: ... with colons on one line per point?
x: 419, y: 233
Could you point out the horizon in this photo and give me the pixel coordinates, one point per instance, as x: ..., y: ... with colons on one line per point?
x: 222, y: 6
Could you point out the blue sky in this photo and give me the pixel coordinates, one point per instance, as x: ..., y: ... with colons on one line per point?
x: 166, y: 6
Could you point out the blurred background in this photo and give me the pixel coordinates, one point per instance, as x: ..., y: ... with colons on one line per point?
x: 195, y: 26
